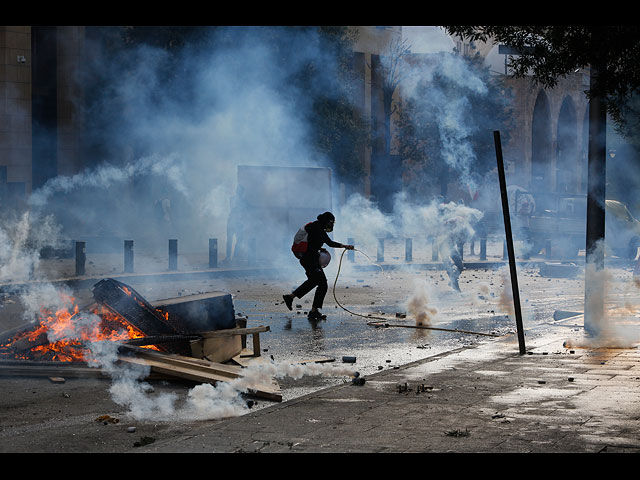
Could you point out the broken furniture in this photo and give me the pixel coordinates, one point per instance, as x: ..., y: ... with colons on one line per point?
x: 187, y: 337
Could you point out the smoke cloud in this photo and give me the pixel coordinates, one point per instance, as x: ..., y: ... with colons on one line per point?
x: 418, y: 304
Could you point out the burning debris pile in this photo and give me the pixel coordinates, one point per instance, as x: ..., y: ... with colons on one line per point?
x: 161, y: 338
x: 118, y: 314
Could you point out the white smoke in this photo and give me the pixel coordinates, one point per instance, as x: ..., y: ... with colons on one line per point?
x: 360, y: 219
x: 450, y: 113
x: 204, y: 401
x: 604, y: 323
x: 419, y: 304
x: 21, y: 239
x: 111, y: 176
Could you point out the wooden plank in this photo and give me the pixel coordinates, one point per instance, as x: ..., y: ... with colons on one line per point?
x: 255, y: 331
x: 181, y: 360
x: 198, y: 370
x: 233, y: 331
x: 199, y: 373
x: 50, y: 371
x: 30, y: 368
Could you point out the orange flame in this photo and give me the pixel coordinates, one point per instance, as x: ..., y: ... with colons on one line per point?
x: 73, y: 338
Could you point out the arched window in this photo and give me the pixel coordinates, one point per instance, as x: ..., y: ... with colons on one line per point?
x: 541, y: 151
x: 567, y: 168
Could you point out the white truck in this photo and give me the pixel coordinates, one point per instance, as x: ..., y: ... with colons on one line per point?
x: 560, y: 221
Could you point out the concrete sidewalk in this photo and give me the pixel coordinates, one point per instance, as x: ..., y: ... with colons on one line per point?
x: 484, y: 398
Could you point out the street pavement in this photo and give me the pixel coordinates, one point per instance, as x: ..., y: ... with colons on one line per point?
x: 561, y: 396
x: 485, y: 398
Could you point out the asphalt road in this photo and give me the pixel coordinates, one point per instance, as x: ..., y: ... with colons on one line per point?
x: 84, y: 414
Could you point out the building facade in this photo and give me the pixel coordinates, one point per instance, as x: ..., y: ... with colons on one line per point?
x: 39, y: 118
x: 41, y: 123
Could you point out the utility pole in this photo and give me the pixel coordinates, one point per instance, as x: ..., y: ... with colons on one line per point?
x: 596, y: 201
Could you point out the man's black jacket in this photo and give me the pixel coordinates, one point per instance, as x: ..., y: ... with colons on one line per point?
x: 317, y: 238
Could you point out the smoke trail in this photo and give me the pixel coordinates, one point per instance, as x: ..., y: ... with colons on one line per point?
x: 418, y: 303
x: 450, y: 112
x: 600, y: 321
x: 20, y: 242
x: 506, y: 294
x: 106, y: 176
x: 204, y: 401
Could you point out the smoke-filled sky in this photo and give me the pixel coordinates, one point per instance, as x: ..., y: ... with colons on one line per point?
x: 183, y: 140
x: 174, y: 147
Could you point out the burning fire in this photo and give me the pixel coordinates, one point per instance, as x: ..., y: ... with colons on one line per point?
x: 63, y: 335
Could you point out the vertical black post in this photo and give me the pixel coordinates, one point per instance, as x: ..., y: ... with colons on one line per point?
x: 596, y: 201
x: 81, y: 257
x: 509, y: 239
x: 350, y: 253
x: 128, y: 256
x: 213, y: 253
x: 408, y: 250
x: 173, y: 254
x: 483, y: 248
x: 381, y: 249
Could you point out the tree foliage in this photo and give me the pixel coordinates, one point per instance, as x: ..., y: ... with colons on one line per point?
x: 553, y: 52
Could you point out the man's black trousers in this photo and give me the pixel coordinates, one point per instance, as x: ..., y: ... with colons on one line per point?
x: 315, y: 278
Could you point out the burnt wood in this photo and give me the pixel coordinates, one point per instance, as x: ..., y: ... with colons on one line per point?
x: 133, y: 307
x: 123, y: 300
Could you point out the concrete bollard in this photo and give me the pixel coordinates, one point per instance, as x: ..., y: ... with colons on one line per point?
x: 128, y: 256
x: 81, y: 258
x: 173, y: 254
x: 213, y: 253
x: 408, y: 250
x: 381, y: 250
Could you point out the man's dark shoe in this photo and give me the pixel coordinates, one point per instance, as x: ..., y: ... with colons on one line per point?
x: 316, y: 315
x: 288, y: 300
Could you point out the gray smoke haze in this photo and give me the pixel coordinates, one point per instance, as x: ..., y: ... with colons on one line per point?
x: 185, y: 143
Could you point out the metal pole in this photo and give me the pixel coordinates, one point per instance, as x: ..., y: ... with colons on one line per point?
x: 381, y: 250
x: 81, y: 257
x: 213, y: 253
x: 596, y: 195
x: 350, y: 253
x: 408, y: 250
x: 509, y: 240
x: 173, y: 254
